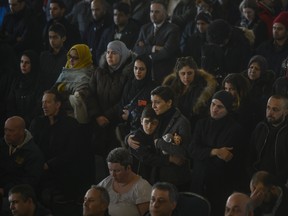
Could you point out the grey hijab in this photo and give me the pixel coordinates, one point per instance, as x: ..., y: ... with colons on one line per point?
x: 122, y: 50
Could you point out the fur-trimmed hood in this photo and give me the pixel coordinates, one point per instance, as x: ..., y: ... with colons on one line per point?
x: 203, y: 79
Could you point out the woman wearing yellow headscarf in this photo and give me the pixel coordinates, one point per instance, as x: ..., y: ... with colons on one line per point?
x: 74, y: 80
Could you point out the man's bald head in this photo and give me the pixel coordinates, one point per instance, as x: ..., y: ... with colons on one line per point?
x: 239, y: 204
x: 18, y: 121
x: 14, y: 130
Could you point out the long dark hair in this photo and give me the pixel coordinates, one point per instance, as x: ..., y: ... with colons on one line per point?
x: 181, y: 62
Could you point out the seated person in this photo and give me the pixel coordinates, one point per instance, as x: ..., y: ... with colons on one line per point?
x: 23, y: 201
x: 268, y: 143
x: 269, y: 198
x: 57, y: 134
x: 96, y: 202
x: 74, y: 80
x: 129, y: 193
x: 21, y: 160
x: 163, y: 200
x: 239, y: 204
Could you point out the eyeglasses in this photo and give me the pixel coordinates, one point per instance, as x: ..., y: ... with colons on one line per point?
x: 73, y: 58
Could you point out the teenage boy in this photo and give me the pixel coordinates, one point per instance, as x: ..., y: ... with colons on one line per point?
x: 144, y: 147
x: 53, y: 60
x: 141, y: 143
x: 57, y: 13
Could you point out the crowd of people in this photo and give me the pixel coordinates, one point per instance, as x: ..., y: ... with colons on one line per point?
x: 175, y: 96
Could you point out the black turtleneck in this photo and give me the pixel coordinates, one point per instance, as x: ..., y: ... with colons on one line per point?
x: 164, y: 120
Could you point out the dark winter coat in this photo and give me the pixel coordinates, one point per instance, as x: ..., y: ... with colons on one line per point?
x: 24, y: 166
x: 59, y: 144
x: 136, y: 95
x: 281, y: 86
x: 93, y: 34
x: 274, y: 55
x: 231, y: 57
x: 22, y: 97
x: 259, y: 28
x: 184, y: 12
x: 51, y: 67
x: 168, y: 37
x: 194, y: 103
x: 213, y: 172
x: 24, y: 25
x: 258, y: 142
x: 107, y: 88
x: 172, y: 121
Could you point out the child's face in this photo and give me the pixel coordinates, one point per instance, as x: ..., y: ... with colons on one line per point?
x: 149, y: 125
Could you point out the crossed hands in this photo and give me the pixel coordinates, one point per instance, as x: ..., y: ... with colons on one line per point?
x: 102, y: 121
x: 172, y: 158
x: 223, y: 153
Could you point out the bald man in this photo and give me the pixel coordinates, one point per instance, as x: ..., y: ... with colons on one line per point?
x: 239, y: 204
x: 21, y: 161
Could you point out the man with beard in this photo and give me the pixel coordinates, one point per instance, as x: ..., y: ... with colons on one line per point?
x: 267, y: 196
x: 276, y: 49
x: 101, y: 20
x: 269, y: 140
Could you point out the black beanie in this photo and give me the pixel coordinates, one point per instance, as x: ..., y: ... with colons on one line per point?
x: 226, y: 98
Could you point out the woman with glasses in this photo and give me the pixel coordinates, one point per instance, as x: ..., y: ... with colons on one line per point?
x: 194, y: 88
x: 73, y: 82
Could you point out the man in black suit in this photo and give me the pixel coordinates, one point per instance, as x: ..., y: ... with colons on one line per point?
x: 160, y: 40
